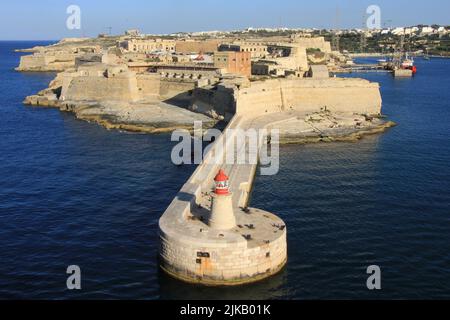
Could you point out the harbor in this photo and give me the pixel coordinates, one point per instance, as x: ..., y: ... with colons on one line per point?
x: 399, y: 65
x: 225, y: 151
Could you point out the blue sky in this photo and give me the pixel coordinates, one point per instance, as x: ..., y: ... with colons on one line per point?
x: 46, y: 19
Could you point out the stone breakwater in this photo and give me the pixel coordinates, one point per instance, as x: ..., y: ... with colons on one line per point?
x: 193, y: 251
x: 256, y: 248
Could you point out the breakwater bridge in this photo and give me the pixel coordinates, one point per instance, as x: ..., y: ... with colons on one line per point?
x: 250, y: 249
x: 365, y: 68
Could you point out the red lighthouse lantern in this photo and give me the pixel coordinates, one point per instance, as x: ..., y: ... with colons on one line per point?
x: 221, y: 182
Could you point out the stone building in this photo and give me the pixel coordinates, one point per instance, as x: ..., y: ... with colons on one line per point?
x: 132, y: 32
x: 234, y: 62
x: 312, y: 43
x: 295, y: 62
x: 257, y: 50
x: 318, y: 72
x: 148, y: 45
x: 197, y: 46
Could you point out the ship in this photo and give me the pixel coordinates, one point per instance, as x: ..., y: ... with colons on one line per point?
x: 407, y: 62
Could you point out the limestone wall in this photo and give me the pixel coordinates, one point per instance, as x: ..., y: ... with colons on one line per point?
x: 47, y: 62
x: 316, y: 42
x: 262, y: 97
x: 191, y: 259
x: 299, y: 94
x: 197, y: 46
x: 176, y: 88
x: 192, y: 73
x: 119, y: 88
x: 148, y: 85
x: 32, y: 62
x: 219, y: 102
x: 309, y: 95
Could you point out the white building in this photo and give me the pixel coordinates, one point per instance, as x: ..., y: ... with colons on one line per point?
x: 427, y: 30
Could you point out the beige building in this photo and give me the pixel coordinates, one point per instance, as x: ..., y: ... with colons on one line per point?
x: 318, y: 72
x: 148, y: 45
x: 234, y: 62
x: 197, y: 46
x: 257, y: 50
x: 295, y: 63
x: 312, y: 43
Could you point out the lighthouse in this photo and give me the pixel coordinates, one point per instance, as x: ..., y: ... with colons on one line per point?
x: 222, y: 215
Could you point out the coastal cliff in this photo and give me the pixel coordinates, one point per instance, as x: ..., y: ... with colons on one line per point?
x: 63, y: 55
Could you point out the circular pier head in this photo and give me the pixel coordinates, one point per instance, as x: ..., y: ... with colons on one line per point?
x: 195, y: 250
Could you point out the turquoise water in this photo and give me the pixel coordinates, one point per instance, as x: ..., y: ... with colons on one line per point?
x: 72, y: 192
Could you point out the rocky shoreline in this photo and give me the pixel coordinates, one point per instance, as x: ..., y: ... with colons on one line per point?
x: 348, y: 135
x: 155, y: 117
x: 326, y: 126
x: 143, y: 117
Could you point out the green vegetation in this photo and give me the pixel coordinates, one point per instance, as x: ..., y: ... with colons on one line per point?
x: 434, y: 44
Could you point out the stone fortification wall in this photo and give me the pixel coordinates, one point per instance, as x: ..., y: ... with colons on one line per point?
x: 197, y: 46
x: 218, y: 102
x: 310, y: 95
x: 220, y: 262
x: 148, y: 85
x: 168, y: 72
x: 317, y: 42
x: 119, y: 88
x: 177, y: 89
x: 97, y: 82
x: 100, y: 82
x: 277, y: 95
x: 47, y: 62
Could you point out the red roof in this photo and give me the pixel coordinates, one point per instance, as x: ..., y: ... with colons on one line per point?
x: 221, y: 176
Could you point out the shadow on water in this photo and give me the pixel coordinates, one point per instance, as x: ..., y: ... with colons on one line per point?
x: 271, y: 288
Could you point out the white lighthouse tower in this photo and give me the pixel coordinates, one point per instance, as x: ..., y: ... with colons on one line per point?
x: 222, y: 215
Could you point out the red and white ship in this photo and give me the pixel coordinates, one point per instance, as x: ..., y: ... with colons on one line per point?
x: 407, y: 62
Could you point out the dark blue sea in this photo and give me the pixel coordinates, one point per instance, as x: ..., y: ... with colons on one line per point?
x: 74, y: 193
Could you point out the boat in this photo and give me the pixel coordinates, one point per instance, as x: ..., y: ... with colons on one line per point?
x: 407, y: 62
x: 402, y: 61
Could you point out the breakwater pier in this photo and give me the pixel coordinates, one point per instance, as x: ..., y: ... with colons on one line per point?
x: 215, y: 239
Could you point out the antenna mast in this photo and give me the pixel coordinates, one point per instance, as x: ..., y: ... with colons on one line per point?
x: 363, y: 41
x: 335, y: 36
